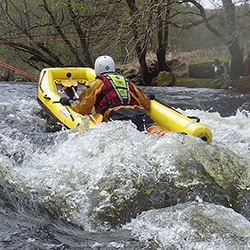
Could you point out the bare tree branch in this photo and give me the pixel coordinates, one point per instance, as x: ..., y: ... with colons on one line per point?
x: 205, y: 19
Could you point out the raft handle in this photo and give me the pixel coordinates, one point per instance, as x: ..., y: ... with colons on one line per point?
x: 195, y: 118
x: 46, y: 97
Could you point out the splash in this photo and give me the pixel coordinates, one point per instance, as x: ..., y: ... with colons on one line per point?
x: 194, y: 225
x: 112, y: 172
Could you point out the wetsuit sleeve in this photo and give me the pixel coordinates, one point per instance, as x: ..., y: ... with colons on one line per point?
x: 88, y: 97
x: 142, y: 98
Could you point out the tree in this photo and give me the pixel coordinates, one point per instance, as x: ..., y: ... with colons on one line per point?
x: 140, y: 42
x: 19, y: 21
x: 42, y: 31
x: 74, y: 32
x: 230, y: 38
x: 63, y: 32
x: 153, y: 17
x: 162, y: 35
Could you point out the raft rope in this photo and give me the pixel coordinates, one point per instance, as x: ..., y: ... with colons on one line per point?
x: 19, y: 71
x: 68, y: 37
x: 12, y: 40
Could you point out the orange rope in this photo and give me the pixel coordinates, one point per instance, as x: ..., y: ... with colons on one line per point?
x: 19, y: 71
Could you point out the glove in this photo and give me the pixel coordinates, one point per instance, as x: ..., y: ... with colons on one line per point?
x: 66, y: 101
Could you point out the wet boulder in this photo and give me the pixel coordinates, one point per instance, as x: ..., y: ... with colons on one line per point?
x: 164, y: 79
x: 203, y: 70
x: 174, y: 173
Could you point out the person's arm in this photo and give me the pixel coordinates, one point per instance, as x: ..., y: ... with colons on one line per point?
x: 142, y: 98
x: 88, y: 97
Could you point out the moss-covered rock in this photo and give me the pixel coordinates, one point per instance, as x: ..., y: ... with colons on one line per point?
x: 241, y: 85
x: 164, y: 79
x: 195, y: 83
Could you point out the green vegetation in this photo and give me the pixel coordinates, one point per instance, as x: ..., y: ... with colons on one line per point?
x: 47, y: 33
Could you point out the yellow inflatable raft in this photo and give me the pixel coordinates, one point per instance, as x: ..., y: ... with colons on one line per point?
x: 54, y: 81
x: 173, y: 121
x: 51, y: 86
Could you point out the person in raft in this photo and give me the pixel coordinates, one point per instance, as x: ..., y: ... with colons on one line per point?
x: 115, y: 97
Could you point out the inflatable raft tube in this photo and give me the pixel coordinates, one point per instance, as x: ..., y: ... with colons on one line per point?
x: 173, y: 121
x: 50, y: 82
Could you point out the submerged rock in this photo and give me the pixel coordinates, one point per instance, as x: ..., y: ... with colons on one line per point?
x: 174, y: 173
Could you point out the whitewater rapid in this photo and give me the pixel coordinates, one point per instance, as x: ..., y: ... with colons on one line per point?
x: 121, y: 188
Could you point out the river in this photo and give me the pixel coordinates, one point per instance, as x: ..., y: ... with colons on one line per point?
x: 114, y: 187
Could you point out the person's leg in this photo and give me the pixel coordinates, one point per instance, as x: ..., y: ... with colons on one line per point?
x: 136, y: 116
x: 148, y: 124
x: 139, y: 117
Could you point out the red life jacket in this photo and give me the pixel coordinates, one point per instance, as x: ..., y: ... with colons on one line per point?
x: 115, y: 92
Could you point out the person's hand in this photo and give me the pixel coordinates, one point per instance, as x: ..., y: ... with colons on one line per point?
x: 66, y: 101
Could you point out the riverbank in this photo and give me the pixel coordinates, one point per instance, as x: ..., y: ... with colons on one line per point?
x: 179, y: 78
x: 217, y: 58
x: 180, y: 75
x: 240, y: 85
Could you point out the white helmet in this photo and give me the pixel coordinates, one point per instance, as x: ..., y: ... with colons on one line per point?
x: 104, y: 64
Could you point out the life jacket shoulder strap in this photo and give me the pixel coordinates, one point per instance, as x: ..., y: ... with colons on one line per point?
x: 119, y: 84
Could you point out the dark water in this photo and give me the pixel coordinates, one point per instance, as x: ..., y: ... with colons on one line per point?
x: 113, y: 187
x: 222, y: 101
